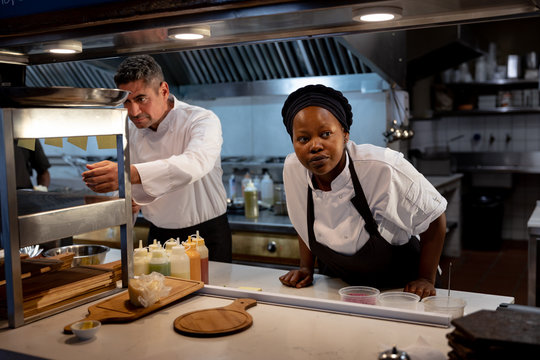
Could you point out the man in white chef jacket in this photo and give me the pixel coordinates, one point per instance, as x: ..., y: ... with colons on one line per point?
x: 175, y: 155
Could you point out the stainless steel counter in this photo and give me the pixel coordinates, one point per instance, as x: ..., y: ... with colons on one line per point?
x: 281, y: 224
x: 267, y: 222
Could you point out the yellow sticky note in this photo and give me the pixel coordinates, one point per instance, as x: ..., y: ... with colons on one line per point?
x: 79, y: 141
x: 29, y: 144
x: 106, y: 141
x: 54, y: 142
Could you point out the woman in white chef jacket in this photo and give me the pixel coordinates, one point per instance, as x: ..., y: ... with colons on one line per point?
x: 358, y: 209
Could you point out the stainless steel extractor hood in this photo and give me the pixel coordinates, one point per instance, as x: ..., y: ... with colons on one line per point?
x: 251, y: 31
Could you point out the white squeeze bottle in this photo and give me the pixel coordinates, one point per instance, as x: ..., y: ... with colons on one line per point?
x: 140, y: 260
x: 232, y: 187
x: 257, y: 183
x: 169, y: 244
x: 267, y: 189
x: 245, y: 181
x: 179, y: 262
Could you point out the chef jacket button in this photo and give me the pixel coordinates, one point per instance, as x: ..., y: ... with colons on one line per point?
x: 341, y: 196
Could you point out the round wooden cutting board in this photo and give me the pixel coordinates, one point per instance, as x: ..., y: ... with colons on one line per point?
x: 221, y: 321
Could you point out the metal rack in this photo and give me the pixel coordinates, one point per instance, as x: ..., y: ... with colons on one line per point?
x: 37, y: 228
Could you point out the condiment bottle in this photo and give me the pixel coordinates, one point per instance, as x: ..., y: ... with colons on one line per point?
x: 245, y: 181
x: 251, y: 206
x: 159, y: 262
x: 194, y: 260
x: 140, y: 260
x: 267, y: 189
x: 203, y: 251
x: 179, y: 262
x: 169, y: 244
x: 154, y: 246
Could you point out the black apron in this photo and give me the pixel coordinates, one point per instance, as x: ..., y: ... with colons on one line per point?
x: 377, y: 263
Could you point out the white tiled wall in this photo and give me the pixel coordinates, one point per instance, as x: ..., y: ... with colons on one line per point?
x: 523, y: 132
x: 253, y: 126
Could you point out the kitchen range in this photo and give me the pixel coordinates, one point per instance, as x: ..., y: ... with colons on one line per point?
x: 254, y: 53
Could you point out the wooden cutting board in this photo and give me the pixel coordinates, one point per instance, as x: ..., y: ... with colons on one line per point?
x: 118, y: 309
x: 33, y: 267
x: 221, y: 321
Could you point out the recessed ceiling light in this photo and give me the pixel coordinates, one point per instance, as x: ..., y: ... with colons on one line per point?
x: 189, y: 33
x: 379, y: 13
x: 64, y: 47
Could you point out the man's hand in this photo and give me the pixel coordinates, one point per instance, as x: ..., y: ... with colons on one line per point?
x: 134, y: 207
x: 101, y: 177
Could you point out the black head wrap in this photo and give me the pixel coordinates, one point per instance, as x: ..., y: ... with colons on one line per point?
x: 321, y: 96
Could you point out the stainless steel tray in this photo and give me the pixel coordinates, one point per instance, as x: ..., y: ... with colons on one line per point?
x: 60, y: 96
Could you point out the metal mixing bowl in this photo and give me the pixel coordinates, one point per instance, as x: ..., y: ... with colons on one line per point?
x: 84, y: 254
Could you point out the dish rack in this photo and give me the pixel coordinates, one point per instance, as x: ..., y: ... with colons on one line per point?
x: 51, y: 224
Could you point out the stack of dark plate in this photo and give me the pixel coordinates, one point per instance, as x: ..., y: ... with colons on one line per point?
x: 501, y: 334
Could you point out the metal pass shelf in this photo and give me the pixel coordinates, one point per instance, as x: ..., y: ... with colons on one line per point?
x: 71, y: 215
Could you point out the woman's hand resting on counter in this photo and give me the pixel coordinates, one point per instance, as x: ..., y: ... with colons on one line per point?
x: 297, y: 278
x: 421, y: 287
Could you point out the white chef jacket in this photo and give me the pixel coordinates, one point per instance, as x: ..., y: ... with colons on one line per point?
x: 180, y: 168
x: 402, y: 201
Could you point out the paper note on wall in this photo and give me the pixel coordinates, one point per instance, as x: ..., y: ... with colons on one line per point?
x: 29, y: 144
x: 80, y: 141
x: 106, y: 141
x: 54, y: 142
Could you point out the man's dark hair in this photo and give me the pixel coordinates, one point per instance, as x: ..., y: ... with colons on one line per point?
x: 139, y: 67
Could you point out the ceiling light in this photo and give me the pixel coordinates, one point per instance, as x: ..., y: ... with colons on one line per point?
x: 375, y: 14
x: 64, y: 47
x: 189, y: 33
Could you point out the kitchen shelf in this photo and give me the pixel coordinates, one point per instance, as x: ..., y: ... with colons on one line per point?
x: 496, y: 83
x: 31, y: 218
x: 500, y: 110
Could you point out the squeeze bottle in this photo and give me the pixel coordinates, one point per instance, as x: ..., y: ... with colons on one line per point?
x: 154, y: 246
x: 140, y: 260
x: 194, y: 260
x: 257, y: 183
x: 232, y: 187
x: 179, y: 262
x: 203, y: 252
x: 159, y: 262
x: 267, y: 189
x: 169, y: 244
x: 245, y: 181
x: 251, y: 206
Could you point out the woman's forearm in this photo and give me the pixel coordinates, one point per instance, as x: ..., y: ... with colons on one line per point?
x: 431, y: 245
x: 307, y: 260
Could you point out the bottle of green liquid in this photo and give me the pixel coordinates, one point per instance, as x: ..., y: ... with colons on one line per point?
x: 159, y: 262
